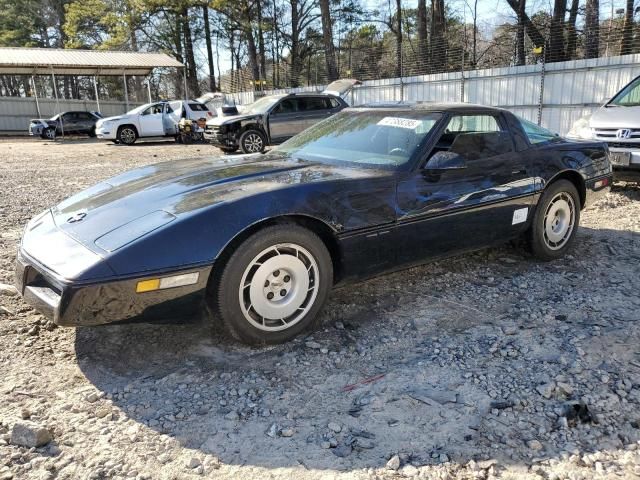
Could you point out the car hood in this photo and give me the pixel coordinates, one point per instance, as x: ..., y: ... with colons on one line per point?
x: 113, y: 119
x: 231, y: 119
x: 616, y: 117
x: 126, y: 207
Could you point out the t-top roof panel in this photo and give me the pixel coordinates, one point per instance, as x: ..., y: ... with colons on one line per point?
x: 42, y: 61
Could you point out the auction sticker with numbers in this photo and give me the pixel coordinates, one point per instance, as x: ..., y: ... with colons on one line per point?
x: 409, y: 123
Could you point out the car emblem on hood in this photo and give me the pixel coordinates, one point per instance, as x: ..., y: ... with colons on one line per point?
x: 78, y: 217
x: 623, y: 133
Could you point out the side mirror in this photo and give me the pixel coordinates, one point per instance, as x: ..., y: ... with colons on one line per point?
x: 446, y: 161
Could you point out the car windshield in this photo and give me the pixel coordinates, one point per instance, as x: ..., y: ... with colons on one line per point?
x: 198, y: 107
x: 139, y: 109
x: 629, y: 96
x: 262, y: 105
x: 369, y: 138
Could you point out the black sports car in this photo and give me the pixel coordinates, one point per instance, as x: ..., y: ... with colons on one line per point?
x: 262, y: 238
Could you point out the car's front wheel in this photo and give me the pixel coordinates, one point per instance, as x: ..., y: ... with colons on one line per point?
x: 556, y: 221
x: 252, y: 141
x: 274, y: 285
x: 49, y: 133
x: 127, y: 135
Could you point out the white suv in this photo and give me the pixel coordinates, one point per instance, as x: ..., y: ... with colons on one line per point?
x: 158, y: 119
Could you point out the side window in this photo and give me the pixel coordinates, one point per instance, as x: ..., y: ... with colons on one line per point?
x: 83, y: 116
x: 535, y: 133
x: 306, y: 104
x: 334, y: 103
x: 473, y: 123
x: 475, y: 137
x: 69, y: 117
x: 147, y: 111
x: 285, y: 106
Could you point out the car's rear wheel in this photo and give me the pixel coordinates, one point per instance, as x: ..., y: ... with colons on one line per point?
x: 127, y: 135
x: 92, y: 132
x: 274, y: 285
x: 556, y: 221
x: 252, y: 141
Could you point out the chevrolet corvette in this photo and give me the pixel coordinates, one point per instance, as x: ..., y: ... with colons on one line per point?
x: 259, y: 240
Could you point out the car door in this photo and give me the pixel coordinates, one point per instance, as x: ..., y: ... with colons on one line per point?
x: 151, y: 121
x: 173, y: 112
x: 69, y: 122
x: 472, y: 189
x: 313, y: 109
x: 285, y: 120
x: 86, y: 122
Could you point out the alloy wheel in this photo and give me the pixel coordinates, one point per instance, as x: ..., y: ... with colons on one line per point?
x: 127, y: 135
x: 559, y: 221
x: 278, y: 287
x: 253, y: 143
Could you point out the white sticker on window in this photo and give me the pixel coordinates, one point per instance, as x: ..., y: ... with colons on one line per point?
x: 409, y: 123
x: 520, y: 216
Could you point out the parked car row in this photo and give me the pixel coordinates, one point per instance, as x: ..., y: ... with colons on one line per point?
x: 274, y: 119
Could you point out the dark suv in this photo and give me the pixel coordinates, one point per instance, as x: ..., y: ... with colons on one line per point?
x: 275, y: 118
x: 65, y: 123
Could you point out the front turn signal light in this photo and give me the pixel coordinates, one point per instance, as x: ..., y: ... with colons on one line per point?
x: 181, y: 280
x: 148, y: 285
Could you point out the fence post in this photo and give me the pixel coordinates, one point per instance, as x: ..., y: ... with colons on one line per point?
x: 401, y: 76
x: 542, y: 75
x: 35, y: 94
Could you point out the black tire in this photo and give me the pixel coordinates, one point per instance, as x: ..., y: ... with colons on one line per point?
x: 229, y: 149
x: 224, y: 291
x: 547, y: 237
x: 127, y: 135
x: 49, y: 133
x: 92, y: 132
x: 252, y: 141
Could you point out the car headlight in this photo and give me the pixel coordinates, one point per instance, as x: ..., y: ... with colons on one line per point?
x: 581, y: 129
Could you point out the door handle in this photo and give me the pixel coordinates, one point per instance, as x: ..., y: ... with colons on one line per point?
x: 522, y: 171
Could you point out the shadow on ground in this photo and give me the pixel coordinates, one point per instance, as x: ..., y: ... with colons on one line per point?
x: 441, y: 362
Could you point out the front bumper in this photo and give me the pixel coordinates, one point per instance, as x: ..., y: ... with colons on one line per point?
x: 106, y: 133
x: 75, y: 304
x: 630, y: 172
x: 219, y: 139
x: 35, y: 129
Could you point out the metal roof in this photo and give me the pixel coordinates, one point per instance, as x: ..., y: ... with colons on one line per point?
x: 43, y: 61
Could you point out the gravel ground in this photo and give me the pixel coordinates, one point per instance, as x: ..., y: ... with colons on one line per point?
x: 488, y: 365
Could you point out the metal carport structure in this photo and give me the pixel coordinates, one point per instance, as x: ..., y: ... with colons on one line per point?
x: 50, y: 61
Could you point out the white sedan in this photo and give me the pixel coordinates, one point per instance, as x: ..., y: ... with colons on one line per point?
x: 158, y: 119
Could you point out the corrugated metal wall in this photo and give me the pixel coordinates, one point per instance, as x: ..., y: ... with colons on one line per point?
x: 15, y: 112
x: 571, y: 89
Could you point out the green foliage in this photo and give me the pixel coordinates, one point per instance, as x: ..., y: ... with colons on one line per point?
x: 22, y: 23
